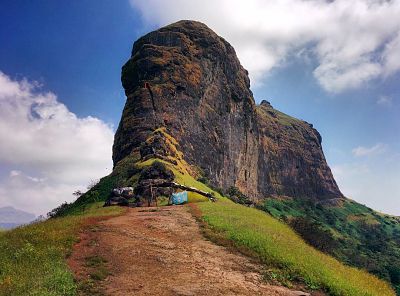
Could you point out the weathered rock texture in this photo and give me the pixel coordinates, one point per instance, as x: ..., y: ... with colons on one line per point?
x: 186, y: 79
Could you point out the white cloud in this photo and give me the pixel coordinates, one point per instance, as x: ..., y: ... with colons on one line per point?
x: 391, y: 55
x: 384, y: 101
x: 352, y: 42
x: 360, y: 151
x: 15, y: 173
x: 51, y: 151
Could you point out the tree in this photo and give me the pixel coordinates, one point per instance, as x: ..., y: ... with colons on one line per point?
x: 92, y: 183
x: 77, y: 193
x: 58, y: 211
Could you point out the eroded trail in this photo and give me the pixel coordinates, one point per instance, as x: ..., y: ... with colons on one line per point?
x: 164, y: 253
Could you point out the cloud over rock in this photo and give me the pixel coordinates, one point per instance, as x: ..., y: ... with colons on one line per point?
x: 351, y: 42
x: 46, y: 151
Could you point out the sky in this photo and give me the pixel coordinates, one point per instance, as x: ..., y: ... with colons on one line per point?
x: 335, y: 64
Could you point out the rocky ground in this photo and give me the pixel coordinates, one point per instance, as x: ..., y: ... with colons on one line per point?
x: 150, y: 251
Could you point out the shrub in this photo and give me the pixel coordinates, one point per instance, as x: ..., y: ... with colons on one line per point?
x: 237, y: 196
x: 314, y: 234
x: 157, y: 170
x: 203, y: 180
x: 59, y: 211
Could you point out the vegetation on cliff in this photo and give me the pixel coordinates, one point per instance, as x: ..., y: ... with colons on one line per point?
x: 288, y: 259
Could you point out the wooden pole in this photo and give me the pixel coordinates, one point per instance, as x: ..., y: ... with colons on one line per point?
x: 151, y: 196
x: 187, y: 188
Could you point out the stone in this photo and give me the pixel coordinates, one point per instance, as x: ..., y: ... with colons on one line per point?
x: 116, y: 201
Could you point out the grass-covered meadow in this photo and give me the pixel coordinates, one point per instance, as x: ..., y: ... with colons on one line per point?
x: 33, y: 257
x: 350, y: 232
x: 288, y: 256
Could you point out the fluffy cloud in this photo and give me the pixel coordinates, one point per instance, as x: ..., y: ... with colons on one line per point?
x: 368, y: 151
x: 391, y: 55
x: 352, y: 42
x: 48, y: 150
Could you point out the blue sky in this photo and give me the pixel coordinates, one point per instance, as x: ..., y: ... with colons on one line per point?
x: 335, y: 65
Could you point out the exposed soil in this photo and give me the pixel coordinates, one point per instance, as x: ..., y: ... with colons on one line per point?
x: 163, y: 252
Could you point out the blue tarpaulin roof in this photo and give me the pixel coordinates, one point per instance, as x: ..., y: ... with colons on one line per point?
x: 179, y: 198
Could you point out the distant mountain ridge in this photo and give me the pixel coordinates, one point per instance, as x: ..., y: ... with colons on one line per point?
x: 11, y: 217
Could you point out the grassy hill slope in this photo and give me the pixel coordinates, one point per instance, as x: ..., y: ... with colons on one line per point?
x: 32, y: 258
x: 351, y: 232
x: 288, y: 258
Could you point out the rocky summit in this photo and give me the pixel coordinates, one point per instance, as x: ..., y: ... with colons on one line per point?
x: 189, y: 100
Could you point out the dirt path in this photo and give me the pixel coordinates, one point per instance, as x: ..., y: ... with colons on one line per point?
x: 164, y: 253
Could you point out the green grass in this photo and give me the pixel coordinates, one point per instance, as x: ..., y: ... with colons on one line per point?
x: 361, y: 237
x: 281, y: 117
x: 194, y: 197
x: 98, y: 265
x: 287, y: 256
x: 32, y: 258
x: 278, y: 246
x: 281, y: 249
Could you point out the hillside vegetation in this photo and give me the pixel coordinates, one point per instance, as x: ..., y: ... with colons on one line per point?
x: 33, y: 257
x: 287, y: 257
x: 265, y: 234
x: 351, y: 232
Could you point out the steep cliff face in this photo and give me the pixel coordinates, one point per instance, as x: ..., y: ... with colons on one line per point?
x: 291, y: 161
x: 186, y: 80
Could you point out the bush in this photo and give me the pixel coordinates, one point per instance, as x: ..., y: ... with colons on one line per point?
x: 203, y: 180
x: 237, y: 196
x: 394, y: 273
x: 59, y: 211
x: 314, y: 234
x: 157, y: 170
